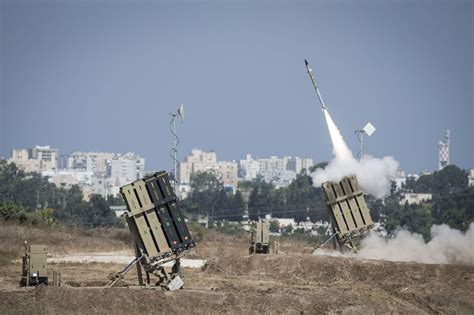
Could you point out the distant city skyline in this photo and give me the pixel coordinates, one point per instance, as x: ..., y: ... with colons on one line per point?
x: 183, y: 157
x: 104, y: 76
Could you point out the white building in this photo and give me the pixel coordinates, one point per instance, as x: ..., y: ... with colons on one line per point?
x: 126, y: 168
x: 199, y: 161
x: 471, y: 177
x: 68, y: 178
x: 297, y: 164
x: 271, y: 168
x: 37, y: 159
x: 248, y: 168
x: 279, y: 171
x: 283, y: 179
x: 412, y: 198
x: 97, y: 162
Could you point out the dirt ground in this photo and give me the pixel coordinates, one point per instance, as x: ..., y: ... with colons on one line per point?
x: 292, y: 281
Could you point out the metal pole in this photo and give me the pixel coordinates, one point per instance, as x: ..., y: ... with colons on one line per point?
x: 327, y: 241
x: 175, y: 153
x: 360, y: 137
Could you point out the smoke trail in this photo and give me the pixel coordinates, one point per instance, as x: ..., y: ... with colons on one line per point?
x: 339, y: 147
x: 374, y: 175
x: 447, y: 246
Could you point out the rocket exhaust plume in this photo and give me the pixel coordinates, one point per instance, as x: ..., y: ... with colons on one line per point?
x: 339, y: 147
x: 374, y: 175
x: 447, y: 246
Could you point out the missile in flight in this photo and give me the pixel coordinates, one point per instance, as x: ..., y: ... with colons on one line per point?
x: 310, y: 73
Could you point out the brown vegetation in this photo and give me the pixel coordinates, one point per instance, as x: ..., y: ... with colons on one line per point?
x: 291, y: 282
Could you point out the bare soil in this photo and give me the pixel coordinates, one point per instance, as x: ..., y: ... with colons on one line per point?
x: 293, y: 281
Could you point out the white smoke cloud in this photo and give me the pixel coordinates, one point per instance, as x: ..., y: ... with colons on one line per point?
x: 447, y: 246
x: 374, y: 175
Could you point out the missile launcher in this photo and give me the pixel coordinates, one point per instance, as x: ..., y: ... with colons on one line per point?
x: 158, y: 228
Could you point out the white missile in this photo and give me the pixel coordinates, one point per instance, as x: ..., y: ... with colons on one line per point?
x: 310, y: 72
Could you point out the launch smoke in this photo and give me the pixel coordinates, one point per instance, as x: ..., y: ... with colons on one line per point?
x: 339, y: 147
x: 373, y: 174
x: 447, y: 246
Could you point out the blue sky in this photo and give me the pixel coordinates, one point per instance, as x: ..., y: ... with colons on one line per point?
x: 104, y: 75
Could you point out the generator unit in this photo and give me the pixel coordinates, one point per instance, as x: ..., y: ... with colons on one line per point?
x: 34, y: 269
x: 158, y: 228
x: 348, y: 211
x: 259, y: 238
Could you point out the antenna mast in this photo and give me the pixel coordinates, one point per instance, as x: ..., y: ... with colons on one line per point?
x: 174, y: 150
x: 369, y: 129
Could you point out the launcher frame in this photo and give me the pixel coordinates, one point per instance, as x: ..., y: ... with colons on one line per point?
x: 158, y: 228
x: 348, y: 211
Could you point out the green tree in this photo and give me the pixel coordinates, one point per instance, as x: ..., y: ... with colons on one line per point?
x: 10, y: 211
x: 304, y: 200
x: 274, y: 226
x: 450, y: 179
x: 260, y: 200
x: 98, y: 212
x: 415, y: 218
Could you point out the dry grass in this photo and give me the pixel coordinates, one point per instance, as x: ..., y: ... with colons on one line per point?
x: 61, y: 239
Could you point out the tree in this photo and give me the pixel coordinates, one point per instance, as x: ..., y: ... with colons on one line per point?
x: 260, y: 200
x: 415, y: 218
x: 209, y: 197
x: 449, y: 180
x: 10, y: 211
x: 41, y: 201
x: 204, y: 182
x: 98, y: 212
x: 304, y: 200
x: 205, y: 191
x: 274, y: 226
x: 456, y: 209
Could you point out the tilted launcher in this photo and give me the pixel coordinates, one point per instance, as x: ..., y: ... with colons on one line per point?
x: 159, y: 231
x: 348, y: 211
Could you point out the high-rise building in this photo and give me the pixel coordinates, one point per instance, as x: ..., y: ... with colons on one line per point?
x: 206, y: 161
x: 37, y: 159
x: 443, y: 151
x: 297, y: 164
x: 248, y: 168
x: 197, y: 161
x: 127, y: 168
x: 271, y: 168
x: 96, y: 162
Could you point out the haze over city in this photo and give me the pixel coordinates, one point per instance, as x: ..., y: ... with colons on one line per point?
x: 104, y: 77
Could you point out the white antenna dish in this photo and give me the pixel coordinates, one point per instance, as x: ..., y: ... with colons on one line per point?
x: 181, y: 113
x: 369, y: 129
